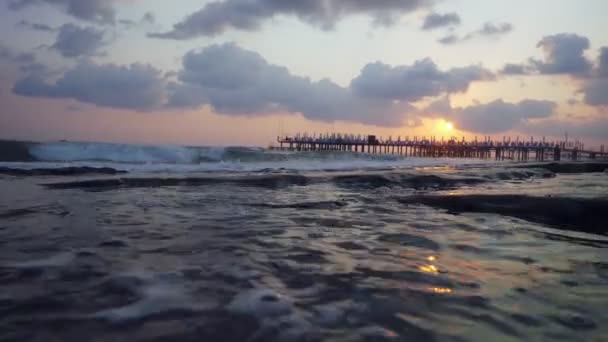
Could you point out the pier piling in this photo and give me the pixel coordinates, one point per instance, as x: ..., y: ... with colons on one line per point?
x: 507, y: 149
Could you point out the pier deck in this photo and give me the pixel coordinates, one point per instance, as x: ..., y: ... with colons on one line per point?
x: 488, y: 149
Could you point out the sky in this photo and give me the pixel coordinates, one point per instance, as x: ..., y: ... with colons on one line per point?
x: 242, y: 72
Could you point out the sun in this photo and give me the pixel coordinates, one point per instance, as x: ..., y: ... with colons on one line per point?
x: 448, y: 126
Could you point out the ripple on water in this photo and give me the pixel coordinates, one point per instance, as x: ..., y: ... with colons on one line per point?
x: 155, y: 294
x: 309, y: 266
x: 261, y: 303
x: 405, y: 239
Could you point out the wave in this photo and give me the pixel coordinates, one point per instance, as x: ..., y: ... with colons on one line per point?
x: 110, y: 158
x: 123, y: 153
x: 175, y: 158
x: 174, y: 154
x: 163, y: 154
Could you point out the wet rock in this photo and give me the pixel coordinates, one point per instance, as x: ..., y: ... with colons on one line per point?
x: 266, y: 181
x: 569, y: 167
x: 579, y: 214
x: 61, y: 171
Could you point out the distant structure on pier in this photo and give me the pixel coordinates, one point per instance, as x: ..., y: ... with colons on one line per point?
x: 507, y: 149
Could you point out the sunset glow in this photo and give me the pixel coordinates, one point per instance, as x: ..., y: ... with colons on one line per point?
x: 150, y: 72
x: 448, y: 126
x: 303, y: 170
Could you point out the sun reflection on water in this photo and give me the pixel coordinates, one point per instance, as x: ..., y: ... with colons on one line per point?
x: 440, y: 289
x: 429, y: 269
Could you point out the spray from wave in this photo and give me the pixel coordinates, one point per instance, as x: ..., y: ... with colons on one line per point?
x: 188, y: 158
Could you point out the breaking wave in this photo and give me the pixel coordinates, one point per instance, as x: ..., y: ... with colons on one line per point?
x: 161, y: 158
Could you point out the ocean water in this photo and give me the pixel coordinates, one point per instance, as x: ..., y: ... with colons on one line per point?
x: 103, y: 242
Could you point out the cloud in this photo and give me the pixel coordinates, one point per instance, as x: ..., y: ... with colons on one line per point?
x: 602, y: 69
x: 490, y: 29
x: 415, y: 82
x: 100, y: 11
x: 23, y: 61
x: 218, y: 16
x: 515, y: 69
x: 137, y: 87
x: 449, y: 39
x: 563, y: 55
x: 436, y: 20
x: 235, y: 81
x: 594, y: 128
x: 487, y: 30
x: 595, y: 85
x: 147, y: 19
x: 13, y: 57
x: 36, y: 26
x: 74, y: 41
x: 596, y: 92
x: 494, y: 117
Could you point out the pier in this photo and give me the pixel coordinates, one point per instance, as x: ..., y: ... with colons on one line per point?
x: 507, y: 149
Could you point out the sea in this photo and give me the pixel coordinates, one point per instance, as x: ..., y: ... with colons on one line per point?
x: 120, y: 242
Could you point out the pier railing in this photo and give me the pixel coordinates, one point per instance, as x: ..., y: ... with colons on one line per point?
x: 506, y: 149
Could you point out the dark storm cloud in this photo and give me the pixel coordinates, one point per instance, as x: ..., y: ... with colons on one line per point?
x: 137, y: 87
x: 74, y: 41
x: 563, y: 55
x: 218, y: 16
x: 36, y: 26
x: 415, y: 82
x: 494, y: 117
x: 100, y: 11
x: 487, y: 30
x: 437, y: 20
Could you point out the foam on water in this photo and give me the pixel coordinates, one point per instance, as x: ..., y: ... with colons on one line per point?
x: 58, y: 260
x: 121, y: 153
x: 158, y: 294
x: 174, y: 158
x: 260, y: 303
x: 275, y: 312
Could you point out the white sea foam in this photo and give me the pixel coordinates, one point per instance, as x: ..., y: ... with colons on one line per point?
x: 158, y: 293
x: 156, y: 299
x: 120, y: 153
x: 57, y: 260
x: 182, y: 159
x: 260, y: 303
